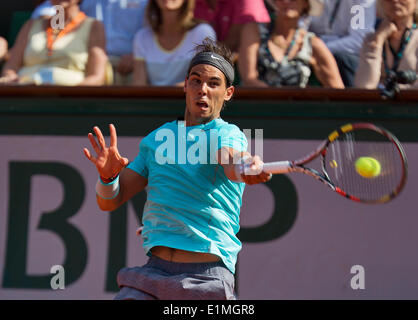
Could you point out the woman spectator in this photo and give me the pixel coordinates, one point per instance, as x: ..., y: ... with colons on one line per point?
x: 163, y: 50
x: 392, y: 48
x: 283, y: 54
x: 44, y: 53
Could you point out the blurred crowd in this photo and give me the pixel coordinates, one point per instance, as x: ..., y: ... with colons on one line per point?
x: 330, y: 43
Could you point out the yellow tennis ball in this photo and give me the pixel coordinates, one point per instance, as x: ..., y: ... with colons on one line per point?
x: 368, y: 167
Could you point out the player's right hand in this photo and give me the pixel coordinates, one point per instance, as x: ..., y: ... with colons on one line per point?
x: 251, y: 171
x: 108, y: 161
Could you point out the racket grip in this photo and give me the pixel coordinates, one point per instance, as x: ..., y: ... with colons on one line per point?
x: 277, y: 167
x: 244, y: 168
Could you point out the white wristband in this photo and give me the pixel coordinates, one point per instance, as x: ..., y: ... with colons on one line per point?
x: 107, y: 191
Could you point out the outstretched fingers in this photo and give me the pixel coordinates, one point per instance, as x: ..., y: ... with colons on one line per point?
x: 89, y: 156
x: 108, y: 159
x: 114, y: 143
x: 100, y: 137
x: 124, y: 161
x: 94, y: 143
x: 113, y: 136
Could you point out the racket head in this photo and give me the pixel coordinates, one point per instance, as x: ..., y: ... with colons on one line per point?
x: 352, y: 141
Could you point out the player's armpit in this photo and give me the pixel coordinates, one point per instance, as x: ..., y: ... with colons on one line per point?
x: 131, y: 183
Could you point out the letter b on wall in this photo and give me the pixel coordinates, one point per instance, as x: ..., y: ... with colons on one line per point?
x: 15, y: 275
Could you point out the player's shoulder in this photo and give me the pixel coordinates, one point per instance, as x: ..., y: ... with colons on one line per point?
x: 225, y: 127
x: 230, y: 135
x: 171, y: 125
x: 221, y: 123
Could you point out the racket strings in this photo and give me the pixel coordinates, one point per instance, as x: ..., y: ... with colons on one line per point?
x: 342, y: 154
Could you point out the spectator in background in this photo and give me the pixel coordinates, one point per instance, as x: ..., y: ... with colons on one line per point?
x: 228, y: 17
x: 74, y: 55
x: 122, y: 19
x: 343, y: 26
x: 163, y: 49
x: 3, y: 49
x: 392, y: 48
x: 283, y: 53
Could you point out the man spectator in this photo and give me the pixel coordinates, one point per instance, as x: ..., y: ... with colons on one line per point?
x: 227, y: 17
x: 342, y: 26
x: 121, y: 19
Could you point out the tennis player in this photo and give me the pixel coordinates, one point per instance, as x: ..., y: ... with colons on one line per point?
x: 191, y: 216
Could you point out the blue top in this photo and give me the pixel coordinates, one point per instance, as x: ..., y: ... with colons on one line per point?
x: 121, y: 19
x: 191, y: 204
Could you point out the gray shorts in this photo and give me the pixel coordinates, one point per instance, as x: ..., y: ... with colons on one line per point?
x: 165, y: 280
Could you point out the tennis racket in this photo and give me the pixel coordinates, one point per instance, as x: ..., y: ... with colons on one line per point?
x: 338, y: 155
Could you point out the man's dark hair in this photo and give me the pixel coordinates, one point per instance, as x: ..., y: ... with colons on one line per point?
x: 212, y: 46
